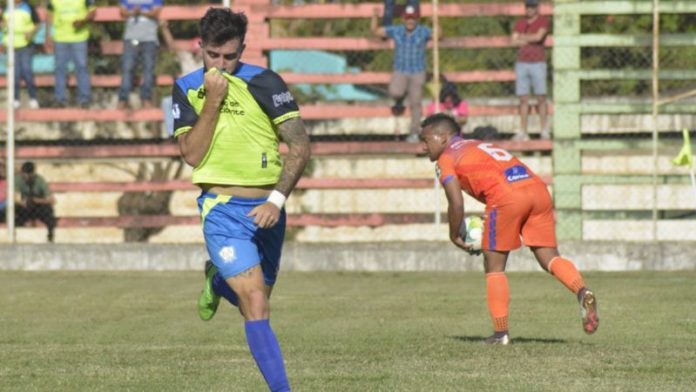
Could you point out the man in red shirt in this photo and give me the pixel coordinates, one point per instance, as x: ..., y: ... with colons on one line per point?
x: 530, y: 69
x: 518, y: 206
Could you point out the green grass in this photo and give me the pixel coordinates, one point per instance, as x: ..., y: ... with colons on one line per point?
x: 139, y: 331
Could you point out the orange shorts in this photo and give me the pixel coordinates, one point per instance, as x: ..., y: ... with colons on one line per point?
x: 525, y: 212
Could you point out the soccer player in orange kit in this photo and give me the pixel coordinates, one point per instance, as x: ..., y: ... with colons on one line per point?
x: 517, y: 205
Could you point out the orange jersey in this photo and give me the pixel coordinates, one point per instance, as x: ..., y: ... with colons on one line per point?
x: 486, y: 172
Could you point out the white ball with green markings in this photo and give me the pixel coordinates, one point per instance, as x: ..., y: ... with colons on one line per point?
x: 471, y: 232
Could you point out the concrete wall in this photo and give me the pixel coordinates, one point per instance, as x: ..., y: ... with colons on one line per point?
x: 387, y: 256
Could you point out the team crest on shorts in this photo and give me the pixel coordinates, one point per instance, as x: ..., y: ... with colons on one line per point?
x: 227, y: 254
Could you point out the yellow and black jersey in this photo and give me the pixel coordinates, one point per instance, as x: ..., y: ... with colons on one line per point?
x: 244, y: 149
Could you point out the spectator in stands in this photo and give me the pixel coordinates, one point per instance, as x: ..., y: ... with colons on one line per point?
x: 450, y: 103
x: 139, y: 43
x: 34, y: 199
x: 408, y: 78
x: 70, y: 21
x: 26, y: 24
x: 389, y: 7
x: 189, y: 60
x: 530, y: 70
x: 229, y: 119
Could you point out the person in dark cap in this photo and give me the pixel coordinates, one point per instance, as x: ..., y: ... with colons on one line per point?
x: 530, y: 69
x: 34, y: 199
x: 408, y: 76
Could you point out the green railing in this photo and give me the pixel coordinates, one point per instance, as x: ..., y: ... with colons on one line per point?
x: 573, y: 141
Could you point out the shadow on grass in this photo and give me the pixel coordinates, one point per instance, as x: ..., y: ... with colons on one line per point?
x: 515, y: 340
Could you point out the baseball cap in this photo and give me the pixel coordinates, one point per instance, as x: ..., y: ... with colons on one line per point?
x: 410, y: 12
x: 531, y: 3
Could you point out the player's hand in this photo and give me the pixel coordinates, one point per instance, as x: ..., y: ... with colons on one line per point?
x: 80, y: 23
x: 215, y: 86
x: 265, y: 215
x: 468, y: 248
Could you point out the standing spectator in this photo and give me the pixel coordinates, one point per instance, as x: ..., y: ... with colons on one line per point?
x: 70, y: 20
x: 34, y: 199
x: 26, y: 24
x: 139, y: 41
x: 451, y: 104
x: 530, y: 70
x: 408, y: 78
x: 390, y: 5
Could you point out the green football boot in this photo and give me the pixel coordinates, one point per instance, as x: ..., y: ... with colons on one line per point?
x: 208, y: 301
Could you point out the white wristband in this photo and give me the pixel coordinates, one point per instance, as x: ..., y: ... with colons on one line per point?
x: 277, y: 198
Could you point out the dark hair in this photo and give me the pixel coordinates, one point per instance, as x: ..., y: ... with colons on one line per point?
x: 220, y: 25
x: 439, y: 120
x: 28, y: 167
x: 450, y: 89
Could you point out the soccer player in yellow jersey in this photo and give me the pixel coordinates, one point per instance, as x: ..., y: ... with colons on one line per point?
x: 228, y: 118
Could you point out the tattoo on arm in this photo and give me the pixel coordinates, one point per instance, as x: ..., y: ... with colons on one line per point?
x: 294, y: 134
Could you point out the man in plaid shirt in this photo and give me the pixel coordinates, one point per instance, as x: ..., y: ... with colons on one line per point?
x: 408, y: 78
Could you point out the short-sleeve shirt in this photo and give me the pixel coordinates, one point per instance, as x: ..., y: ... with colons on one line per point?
x: 534, y: 52
x: 460, y: 110
x: 25, y: 21
x: 409, y: 48
x: 244, y: 149
x: 485, y: 171
x: 65, y: 12
x: 141, y: 28
x: 38, y: 188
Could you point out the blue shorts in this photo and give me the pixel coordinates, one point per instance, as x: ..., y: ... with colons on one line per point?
x: 530, y: 77
x: 235, y: 244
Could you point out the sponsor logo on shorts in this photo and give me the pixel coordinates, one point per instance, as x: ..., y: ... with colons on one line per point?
x: 516, y: 173
x: 176, y: 112
x: 282, y: 98
x: 227, y: 254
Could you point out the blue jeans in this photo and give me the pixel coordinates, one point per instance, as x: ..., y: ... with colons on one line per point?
x: 23, y: 71
x: 77, y: 53
x: 147, y: 51
x: 388, y: 18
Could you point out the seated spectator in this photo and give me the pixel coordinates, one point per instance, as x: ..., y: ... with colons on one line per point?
x: 34, y: 199
x: 26, y: 24
x: 3, y: 192
x: 451, y: 104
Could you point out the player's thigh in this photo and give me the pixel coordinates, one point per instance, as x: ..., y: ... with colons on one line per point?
x: 539, y: 229
x: 502, y: 226
x: 398, y: 84
x: 270, y: 245
x: 537, y: 75
x: 522, y: 81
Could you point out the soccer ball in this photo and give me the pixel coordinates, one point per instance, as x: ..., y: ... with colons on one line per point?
x: 471, y: 232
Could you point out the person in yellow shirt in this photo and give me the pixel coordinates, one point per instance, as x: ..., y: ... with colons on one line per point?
x: 26, y: 24
x: 70, y: 21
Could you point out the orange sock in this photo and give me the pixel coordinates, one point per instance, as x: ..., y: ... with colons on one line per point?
x: 498, y: 299
x: 565, y: 271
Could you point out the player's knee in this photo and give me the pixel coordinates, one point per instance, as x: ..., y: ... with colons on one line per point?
x: 254, y: 304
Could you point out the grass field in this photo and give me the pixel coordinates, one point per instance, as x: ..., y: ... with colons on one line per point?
x: 138, y: 331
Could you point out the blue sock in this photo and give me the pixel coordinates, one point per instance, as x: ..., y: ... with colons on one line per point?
x: 221, y: 288
x: 265, y: 349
